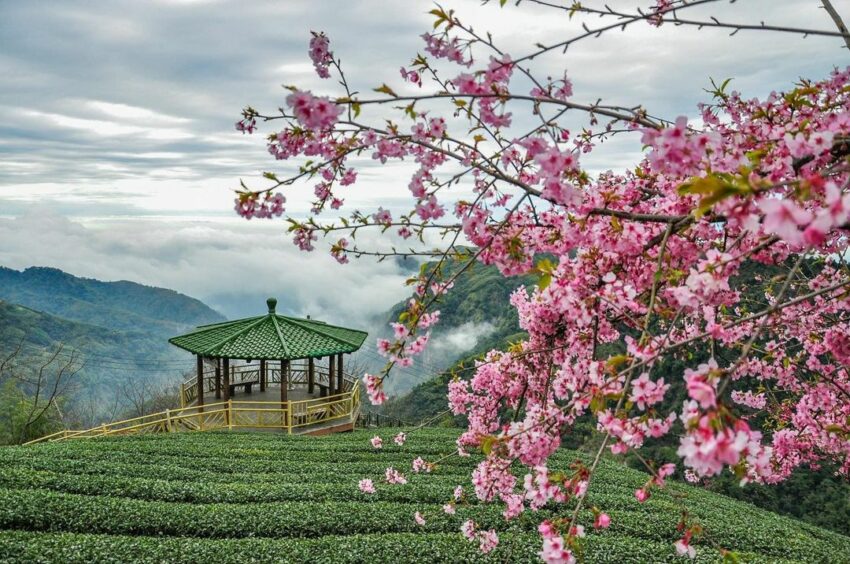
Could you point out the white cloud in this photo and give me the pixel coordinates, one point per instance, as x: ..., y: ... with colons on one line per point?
x: 461, y: 339
x: 133, y: 113
x: 229, y: 264
x: 150, y: 91
x: 120, y: 114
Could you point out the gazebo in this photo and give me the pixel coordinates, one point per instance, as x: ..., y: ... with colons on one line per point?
x: 271, y: 368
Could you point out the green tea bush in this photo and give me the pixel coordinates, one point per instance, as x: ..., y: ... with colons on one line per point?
x: 235, y: 497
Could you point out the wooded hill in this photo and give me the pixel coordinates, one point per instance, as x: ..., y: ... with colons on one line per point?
x: 117, y: 331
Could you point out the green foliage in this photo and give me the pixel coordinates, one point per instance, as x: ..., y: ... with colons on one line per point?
x: 20, y: 420
x: 815, y: 496
x: 237, y: 497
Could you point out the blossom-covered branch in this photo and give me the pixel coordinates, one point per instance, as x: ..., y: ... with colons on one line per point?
x: 722, y: 248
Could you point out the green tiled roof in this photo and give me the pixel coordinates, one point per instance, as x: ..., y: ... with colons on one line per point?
x: 270, y: 337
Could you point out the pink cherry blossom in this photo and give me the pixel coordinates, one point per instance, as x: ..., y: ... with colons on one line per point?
x: 487, y: 541
x: 554, y: 551
x: 684, y: 548
x: 602, y: 521
x: 700, y: 383
x: 468, y: 529
x: 695, y: 248
x: 313, y: 112
x: 393, y: 476
x: 374, y: 389
x: 320, y: 54
x: 783, y: 217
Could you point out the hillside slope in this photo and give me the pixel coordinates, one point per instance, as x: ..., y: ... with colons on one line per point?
x: 477, y: 307
x: 123, y: 306
x: 118, y: 331
x: 109, y: 362
x: 43, y: 330
x: 264, y: 497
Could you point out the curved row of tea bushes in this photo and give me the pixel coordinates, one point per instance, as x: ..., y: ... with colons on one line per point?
x: 233, y: 497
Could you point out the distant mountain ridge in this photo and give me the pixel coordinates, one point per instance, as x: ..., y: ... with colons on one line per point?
x: 121, y: 305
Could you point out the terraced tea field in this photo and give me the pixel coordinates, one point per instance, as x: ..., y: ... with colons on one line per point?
x: 236, y: 497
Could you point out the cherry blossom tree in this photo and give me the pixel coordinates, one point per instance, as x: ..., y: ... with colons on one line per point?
x: 646, y: 262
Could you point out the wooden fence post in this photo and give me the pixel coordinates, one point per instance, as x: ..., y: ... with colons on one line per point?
x: 229, y: 413
x: 288, y: 417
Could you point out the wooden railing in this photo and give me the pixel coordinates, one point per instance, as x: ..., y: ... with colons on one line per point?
x: 251, y: 373
x: 367, y: 419
x: 301, y: 416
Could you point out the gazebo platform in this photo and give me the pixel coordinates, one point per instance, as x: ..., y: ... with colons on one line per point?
x: 302, y: 408
x: 270, y: 373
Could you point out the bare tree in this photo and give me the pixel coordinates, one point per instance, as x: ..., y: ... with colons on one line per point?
x: 142, y: 397
x: 42, y: 379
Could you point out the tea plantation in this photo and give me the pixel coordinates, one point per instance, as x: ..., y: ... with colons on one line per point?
x: 237, y: 497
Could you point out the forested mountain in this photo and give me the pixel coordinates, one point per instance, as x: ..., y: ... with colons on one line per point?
x: 475, y: 316
x: 117, y: 332
x: 40, y: 330
x: 123, y: 305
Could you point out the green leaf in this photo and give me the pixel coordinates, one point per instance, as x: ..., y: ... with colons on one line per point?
x: 384, y: 89
x: 487, y: 444
x: 713, y: 188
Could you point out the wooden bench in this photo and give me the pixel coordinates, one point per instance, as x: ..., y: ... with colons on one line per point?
x: 246, y: 385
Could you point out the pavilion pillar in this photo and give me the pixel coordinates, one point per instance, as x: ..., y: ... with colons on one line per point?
x: 311, y: 376
x: 284, y: 381
x: 200, y: 383
x: 226, y: 385
x: 340, y: 381
x: 331, y: 378
x: 262, y: 375
x: 218, y: 378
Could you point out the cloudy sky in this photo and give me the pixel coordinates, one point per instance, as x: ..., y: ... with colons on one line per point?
x: 118, y: 155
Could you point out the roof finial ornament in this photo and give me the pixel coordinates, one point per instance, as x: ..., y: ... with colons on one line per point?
x: 272, y: 303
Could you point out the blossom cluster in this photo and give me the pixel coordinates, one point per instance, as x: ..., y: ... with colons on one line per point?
x: 320, y: 54
x: 637, y: 271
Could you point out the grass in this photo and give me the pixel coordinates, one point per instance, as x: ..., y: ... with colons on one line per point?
x: 235, y: 497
